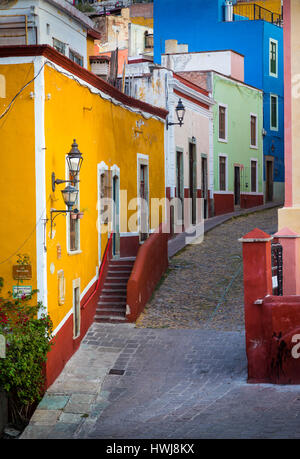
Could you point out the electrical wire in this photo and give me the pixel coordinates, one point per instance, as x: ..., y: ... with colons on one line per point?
x: 20, y: 91
x: 69, y: 75
x: 27, y: 239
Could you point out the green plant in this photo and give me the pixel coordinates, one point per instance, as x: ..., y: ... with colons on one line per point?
x: 23, y: 259
x: 28, y: 340
x: 83, y: 6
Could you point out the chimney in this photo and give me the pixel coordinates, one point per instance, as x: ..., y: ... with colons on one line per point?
x: 171, y: 46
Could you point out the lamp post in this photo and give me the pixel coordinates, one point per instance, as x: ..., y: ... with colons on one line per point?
x: 70, y: 192
x: 180, y: 112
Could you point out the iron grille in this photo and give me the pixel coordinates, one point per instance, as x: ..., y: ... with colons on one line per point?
x: 277, y: 277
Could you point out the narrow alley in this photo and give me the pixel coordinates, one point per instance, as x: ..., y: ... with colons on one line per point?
x: 181, y: 371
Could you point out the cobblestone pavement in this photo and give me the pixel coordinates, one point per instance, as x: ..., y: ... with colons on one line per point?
x: 203, y: 287
x: 187, y: 384
x: 181, y: 382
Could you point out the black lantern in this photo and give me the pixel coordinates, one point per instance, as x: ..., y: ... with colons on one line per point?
x: 74, y: 160
x: 70, y: 196
x: 180, y: 112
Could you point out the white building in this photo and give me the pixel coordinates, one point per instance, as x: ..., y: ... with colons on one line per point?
x: 188, y: 148
x: 47, y: 22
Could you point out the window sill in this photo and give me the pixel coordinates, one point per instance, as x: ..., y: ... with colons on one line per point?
x: 75, y: 252
x: 253, y: 147
x: 223, y: 140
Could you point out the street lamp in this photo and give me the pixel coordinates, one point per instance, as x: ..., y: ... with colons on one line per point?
x: 180, y: 112
x: 70, y: 193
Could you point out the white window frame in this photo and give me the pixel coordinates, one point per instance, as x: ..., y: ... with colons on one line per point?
x: 256, y: 185
x: 223, y: 155
x: 256, y: 129
x: 226, y: 122
x: 277, y: 113
x: 143, y: 160
x: 272, y: 40
x: 101, y: 168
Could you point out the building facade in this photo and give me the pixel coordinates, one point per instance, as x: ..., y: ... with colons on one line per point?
x: 188, y: 148
x: 237, y: 124
x: 259, y: 40
x: 121, y: 140
x: 56, y: 23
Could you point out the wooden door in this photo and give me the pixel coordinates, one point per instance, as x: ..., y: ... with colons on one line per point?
x: 237, y: 186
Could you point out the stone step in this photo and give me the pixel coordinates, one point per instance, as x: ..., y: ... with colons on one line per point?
x: 110, y: 319
x: 114, y: 290
x: 113, y: 298
x: 117, y: 280
x: 124, y: 268
x: 111, y: 312
x: 115, y: 273
x: 109, y: 304
x: 115, y: 286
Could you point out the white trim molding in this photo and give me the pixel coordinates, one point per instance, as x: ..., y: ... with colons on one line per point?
x: 40, y: 180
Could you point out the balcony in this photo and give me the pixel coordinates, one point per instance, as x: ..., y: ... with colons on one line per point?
x: 251, y: 12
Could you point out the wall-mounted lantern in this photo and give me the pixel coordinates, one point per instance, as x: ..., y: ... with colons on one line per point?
x: 180, y: 112
x: 70, y: 193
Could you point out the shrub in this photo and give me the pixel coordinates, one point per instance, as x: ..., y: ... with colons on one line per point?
x: 28, y: 340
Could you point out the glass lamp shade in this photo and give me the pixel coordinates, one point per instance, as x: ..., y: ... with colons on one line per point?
x: 70, y: 196
x: 180, y: 110
x: 74, y: 160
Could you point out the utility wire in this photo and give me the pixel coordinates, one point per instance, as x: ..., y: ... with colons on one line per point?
x: 27, y: 239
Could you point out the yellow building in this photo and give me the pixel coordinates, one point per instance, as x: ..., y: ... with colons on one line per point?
x: 252, y: 10
x: 46, y: 101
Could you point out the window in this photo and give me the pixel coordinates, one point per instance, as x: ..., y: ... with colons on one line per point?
x: 75, y: 57
x: 149, y: 43
x: 253, y: 126
x: 105, y: 197
x: 76, y: 308
x: 222, y: 122
x: 59, y: 46
x: 61, y: 287
x: 274, y: 112
x: 253, y: 176
x: 273, y: 58
x: 222, y: 173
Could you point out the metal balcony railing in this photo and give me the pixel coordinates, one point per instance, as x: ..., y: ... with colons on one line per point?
x: 256, y: 12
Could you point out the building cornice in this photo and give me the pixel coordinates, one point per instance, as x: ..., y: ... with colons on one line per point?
x: 87, y: 76
x: 192, y: 94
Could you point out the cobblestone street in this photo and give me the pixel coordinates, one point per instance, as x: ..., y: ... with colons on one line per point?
x: 203, y: 287
x: 128, y: 382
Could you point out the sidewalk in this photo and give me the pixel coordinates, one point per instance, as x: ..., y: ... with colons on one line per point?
x: 179, y: 242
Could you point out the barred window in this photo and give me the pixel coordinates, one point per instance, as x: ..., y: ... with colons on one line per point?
x: 222, y: 122
x: 222, y: 173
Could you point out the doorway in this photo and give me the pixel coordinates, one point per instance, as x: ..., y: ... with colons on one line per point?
x: 204, y: 185
x: 269, y: 180
x: 179, y: 189
x: 116, y: 219
x: 237, y: 186
x: 193, y: 181
x: 143, y: 194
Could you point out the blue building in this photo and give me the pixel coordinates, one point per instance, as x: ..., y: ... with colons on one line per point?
x: 201, y: 24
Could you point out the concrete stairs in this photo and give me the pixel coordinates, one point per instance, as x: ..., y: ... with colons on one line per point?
x: 111, y: 306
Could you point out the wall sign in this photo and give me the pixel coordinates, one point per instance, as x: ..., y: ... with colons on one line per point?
x: 22, y: 272
x: 19, y: 291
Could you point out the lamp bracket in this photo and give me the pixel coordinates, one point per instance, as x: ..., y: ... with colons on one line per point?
x: 59, y: 181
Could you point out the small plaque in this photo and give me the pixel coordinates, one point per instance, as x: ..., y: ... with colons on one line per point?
x: 274, y: 282
x: 58, y: 251
x: 19, y: 291
x: 22, y: 272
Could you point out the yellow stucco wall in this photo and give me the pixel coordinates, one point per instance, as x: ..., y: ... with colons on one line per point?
x: 17, y: 178
x: 146, y: 22
x: 90, y: 50
x: 104, y: 132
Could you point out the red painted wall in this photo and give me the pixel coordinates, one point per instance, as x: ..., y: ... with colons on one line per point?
x: 64, y: 345
x: 224, y: 203
x: 250, y: 200
x: 150, y: 264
